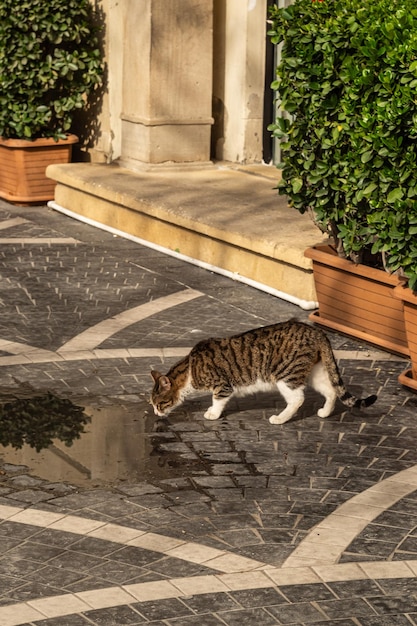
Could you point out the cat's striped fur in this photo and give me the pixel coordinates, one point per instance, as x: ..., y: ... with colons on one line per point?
x: 285, y: 356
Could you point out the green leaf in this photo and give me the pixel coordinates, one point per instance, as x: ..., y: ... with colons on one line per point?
x: 283, y: 124
x: 367, y: 156
x: 394, y: 195
x: 412, y: 282
x: 297, y: 184
x: 369, y: 189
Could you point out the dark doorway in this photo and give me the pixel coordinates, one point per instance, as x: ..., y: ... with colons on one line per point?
x: 269, y: 95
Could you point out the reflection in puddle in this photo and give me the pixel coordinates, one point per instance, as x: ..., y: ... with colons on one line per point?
x: 38, y: 420
x: 120, y: 442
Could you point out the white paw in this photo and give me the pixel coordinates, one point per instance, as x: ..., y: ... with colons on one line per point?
x: 211, y: 414
x: 278, y: 419
x: 323, y: 412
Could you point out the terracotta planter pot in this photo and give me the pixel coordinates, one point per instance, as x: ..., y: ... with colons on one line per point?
x: 409, y: 300
x: 358, y: 300
x: 23, y: 164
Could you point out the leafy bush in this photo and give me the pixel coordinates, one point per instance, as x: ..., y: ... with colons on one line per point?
x: 50, y: 61
x: 348, y: 77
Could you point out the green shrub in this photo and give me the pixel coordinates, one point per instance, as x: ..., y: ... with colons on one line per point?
x: 50, y: 61
x: 348, y: 77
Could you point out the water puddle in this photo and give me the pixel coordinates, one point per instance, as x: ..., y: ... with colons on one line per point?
x: 107, y: 444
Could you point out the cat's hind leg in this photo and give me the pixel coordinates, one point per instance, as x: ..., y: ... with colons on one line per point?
x: 294, y: 399
x: 320, y: 381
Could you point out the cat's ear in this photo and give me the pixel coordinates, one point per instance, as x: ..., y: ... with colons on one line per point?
x: 163, y: 381
x: 156, y: 375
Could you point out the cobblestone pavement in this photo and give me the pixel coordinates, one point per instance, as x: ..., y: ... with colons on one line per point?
x: 182, y: 521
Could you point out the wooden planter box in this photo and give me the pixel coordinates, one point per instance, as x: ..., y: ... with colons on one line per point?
x: 23, y: 164
x: 409, y: 300
x: 358, y: 300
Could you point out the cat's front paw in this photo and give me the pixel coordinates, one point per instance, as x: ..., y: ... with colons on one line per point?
x: 323, y: 412
x: 211, y: 414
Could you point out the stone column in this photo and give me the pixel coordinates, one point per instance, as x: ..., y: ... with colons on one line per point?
x: 167, y: 82
x: 239, y: 71
x: 99, y: 126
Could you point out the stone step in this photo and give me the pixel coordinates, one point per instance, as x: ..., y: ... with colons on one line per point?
x: 227, y: 218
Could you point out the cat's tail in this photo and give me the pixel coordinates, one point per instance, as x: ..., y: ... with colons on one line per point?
x: 351, y: 401
x: 343, y: 394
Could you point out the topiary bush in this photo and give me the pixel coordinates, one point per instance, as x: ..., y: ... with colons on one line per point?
x: 348, y: 78
x: 50, y: 61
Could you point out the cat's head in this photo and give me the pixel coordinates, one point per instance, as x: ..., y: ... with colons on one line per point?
x: 164, y: 396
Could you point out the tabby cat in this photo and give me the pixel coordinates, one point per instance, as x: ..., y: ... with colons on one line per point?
x: 284, y: 356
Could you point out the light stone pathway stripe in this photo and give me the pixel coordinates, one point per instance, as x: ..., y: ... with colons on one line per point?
x: 35, y: 355
x: 327, y: 541
x: 98, y: 333
x: 13, y: 221
x: 49, y: 241
x: 66, y: 604
x: 23, y: 354
x: 221, y: 560
x: 368, y: 355
x: 83, y: 346
x: 18, y: 221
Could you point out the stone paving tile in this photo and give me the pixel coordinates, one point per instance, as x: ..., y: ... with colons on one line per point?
x: 236, y: 485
